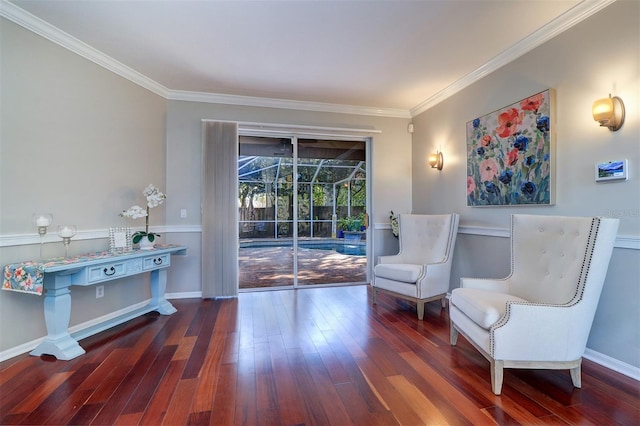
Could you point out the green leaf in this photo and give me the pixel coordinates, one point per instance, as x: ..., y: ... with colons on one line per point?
x: 151, y: 237
x: 137, y: 239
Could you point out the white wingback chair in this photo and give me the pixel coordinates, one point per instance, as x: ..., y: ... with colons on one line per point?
x: 540, y: 315
x: 420, y: 271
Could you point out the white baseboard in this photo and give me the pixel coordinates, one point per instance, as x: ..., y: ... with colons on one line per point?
x: 612, y: 364
x: 82, y: 330
x: 184, y: 295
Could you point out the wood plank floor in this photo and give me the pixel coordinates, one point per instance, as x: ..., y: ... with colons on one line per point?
x: 321, y: 356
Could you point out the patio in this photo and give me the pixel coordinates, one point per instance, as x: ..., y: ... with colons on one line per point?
x: 262, y: 267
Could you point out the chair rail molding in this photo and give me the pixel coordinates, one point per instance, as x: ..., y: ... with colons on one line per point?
x: 622, y: 241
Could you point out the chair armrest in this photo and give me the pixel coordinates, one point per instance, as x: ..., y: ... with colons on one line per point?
x: 489, y: 284
x: 434, y: 280
x: 560, y: 332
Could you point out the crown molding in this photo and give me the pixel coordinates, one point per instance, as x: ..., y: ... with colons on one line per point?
x: 562, y: 23
x: 36, y: 25
x: 216, y: 98
x: 570, y: 18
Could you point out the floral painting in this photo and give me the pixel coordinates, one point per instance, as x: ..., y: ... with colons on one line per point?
x: 509, y: 154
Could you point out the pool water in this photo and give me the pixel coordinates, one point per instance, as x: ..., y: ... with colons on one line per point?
x: 339, y: 247
x: 343, y: 248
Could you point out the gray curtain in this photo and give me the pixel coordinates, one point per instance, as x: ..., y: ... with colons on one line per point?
x: 219, y: 210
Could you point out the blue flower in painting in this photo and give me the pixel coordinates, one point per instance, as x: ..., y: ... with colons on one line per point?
x: 528, y: 189
x: 530, y: 160
x: 546, y: 157
x: 480, y: 151
x: 491, y: 188
x: 543, y: 123
x: 505, y: 176
x: 476, y: 123
x: 521, y: 143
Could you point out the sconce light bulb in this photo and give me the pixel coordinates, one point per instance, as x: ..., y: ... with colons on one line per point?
x: 609, y: 112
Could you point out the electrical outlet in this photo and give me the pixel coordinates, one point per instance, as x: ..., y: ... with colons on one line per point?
x: 183, y: 213
x: 99, y: 291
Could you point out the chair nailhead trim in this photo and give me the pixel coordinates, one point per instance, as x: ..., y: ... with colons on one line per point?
x: 584, y: 273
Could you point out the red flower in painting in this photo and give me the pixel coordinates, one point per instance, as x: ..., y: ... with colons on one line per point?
x: 471, y: 185
x: 486, y: 140
x: 532, y: 103
x: 508, y: 122
x: 512, y: 157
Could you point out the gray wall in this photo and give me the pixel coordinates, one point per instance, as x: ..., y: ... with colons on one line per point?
x: 583, y: 64
x: 81, y: 143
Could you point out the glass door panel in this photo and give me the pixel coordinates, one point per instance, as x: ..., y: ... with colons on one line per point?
x: 331, y: 179
x: 301, y: 219
x: 265, y: 193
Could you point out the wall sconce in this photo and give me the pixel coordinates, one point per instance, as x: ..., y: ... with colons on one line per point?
x: 436, y: 161
x: 609, y: 112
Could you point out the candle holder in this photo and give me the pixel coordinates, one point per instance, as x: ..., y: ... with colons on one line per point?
x: 42, y: 221
x: 66, y: 232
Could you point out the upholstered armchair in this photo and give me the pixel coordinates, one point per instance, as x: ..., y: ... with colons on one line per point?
x: 540, y: 315
x: 420, y: 271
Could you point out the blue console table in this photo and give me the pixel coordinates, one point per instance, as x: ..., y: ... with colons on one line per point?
x: 56, y: 276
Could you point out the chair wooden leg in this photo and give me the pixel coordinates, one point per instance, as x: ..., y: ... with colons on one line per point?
x: 374, y: 295
x: 443, y: 302
x: 497, y: 371
x: 453, y: 334
x: 420, y: 308
x: 576, y: 376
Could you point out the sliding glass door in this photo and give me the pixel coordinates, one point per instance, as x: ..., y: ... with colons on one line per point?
x: 302, y: 212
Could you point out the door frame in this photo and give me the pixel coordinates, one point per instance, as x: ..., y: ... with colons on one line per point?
x: 293, y: 133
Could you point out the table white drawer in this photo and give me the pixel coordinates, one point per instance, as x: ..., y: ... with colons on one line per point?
x: 106, y: 272
x: 156, y: 262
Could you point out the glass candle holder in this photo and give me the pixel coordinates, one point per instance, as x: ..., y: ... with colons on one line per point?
x: 42, y: 221
x: 66, y: 232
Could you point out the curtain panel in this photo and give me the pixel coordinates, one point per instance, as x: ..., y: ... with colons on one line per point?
x: 219, y: 210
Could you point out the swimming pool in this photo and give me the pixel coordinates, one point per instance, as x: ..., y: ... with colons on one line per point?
x: 357, y: 249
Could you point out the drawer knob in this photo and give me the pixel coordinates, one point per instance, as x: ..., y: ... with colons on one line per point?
x: 157, y: 261
x: 110, y: 271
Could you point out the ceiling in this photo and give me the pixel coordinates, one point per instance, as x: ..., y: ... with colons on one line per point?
x: 395, y: 55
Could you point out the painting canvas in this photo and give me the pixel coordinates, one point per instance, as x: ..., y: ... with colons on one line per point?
x: 510, y: 154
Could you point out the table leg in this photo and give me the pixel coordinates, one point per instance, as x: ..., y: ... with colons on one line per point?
x: 57, y: 312
x: 158, y: 287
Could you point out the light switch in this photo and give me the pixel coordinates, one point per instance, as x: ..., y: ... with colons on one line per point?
x: 183, y: 213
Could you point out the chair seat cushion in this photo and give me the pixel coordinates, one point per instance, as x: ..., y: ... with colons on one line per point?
x: 481, y: 306
x: 398, y: 272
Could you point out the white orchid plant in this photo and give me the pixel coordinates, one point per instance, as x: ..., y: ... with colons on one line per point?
x: 155, y: 197
x: 393, y: 219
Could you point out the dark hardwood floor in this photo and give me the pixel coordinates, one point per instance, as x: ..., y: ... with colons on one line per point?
x: 320, y: 356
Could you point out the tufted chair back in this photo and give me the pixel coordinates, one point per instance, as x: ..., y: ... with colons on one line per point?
x: 425, y: 238
x: 540, y: 315
x: 421, y: 270
x: 548, y: 254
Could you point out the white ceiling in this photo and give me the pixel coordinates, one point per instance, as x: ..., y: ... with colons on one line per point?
x: 381, y: 54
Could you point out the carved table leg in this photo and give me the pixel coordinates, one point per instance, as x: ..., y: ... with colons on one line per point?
x: 57, y: 312
x: 158, y: 287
